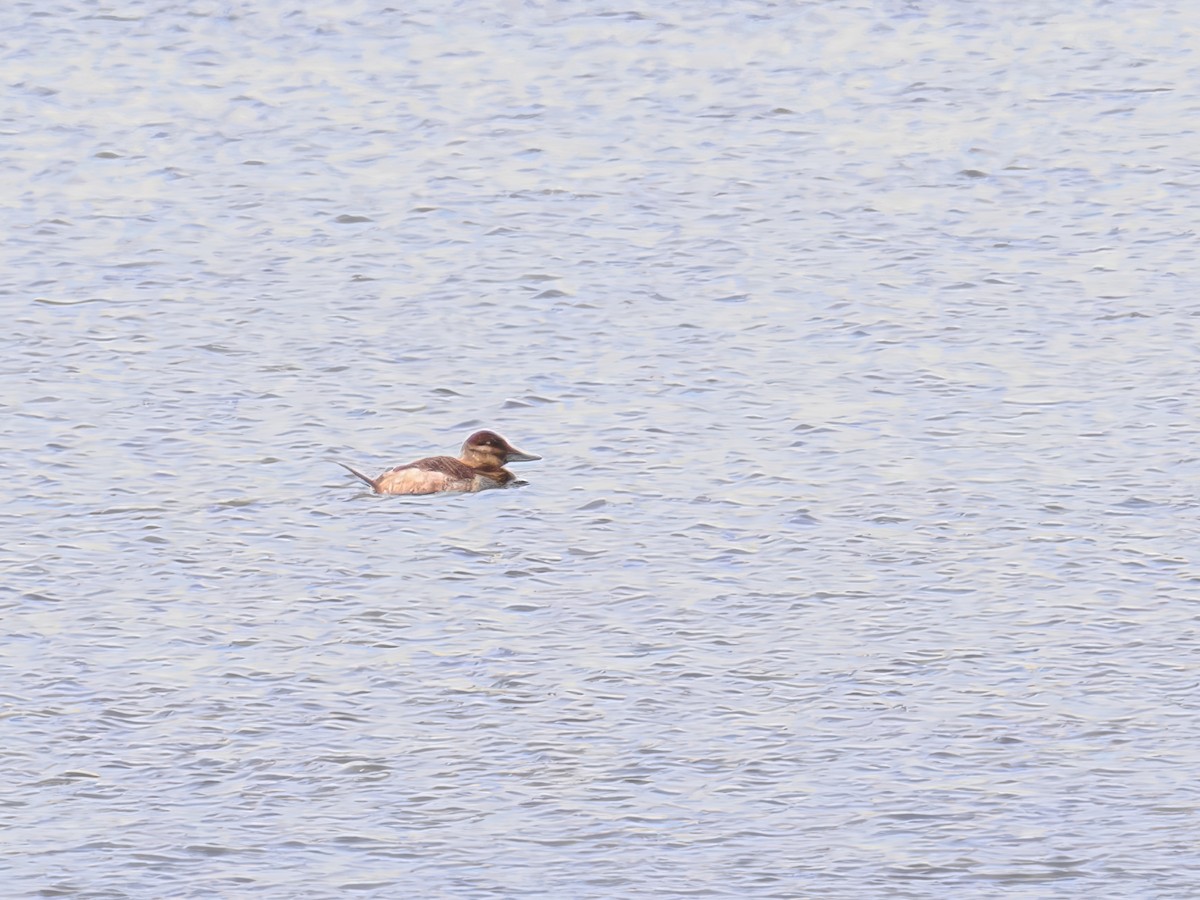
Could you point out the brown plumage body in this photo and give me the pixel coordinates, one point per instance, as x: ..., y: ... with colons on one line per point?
x: 479, y: 466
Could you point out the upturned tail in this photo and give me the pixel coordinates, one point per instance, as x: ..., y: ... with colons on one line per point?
x: 359, y: 475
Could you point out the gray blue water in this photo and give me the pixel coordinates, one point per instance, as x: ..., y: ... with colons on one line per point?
x: 860, y: 344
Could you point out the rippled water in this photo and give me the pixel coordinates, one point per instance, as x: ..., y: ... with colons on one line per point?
x: 859, y: 341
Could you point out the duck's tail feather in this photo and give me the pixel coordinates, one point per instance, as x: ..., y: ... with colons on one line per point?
x: 359, y: 475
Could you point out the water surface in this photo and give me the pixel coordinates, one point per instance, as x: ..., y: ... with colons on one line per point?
x: 859, y: 341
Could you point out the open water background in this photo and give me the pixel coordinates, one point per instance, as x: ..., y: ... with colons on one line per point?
x: 859, y: 341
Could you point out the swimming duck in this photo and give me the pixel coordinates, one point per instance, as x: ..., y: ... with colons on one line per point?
x: 479, y: 466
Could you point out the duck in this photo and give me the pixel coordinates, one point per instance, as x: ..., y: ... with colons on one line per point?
x: 479, y: 466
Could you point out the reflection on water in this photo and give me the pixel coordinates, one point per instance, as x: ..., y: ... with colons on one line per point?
x: 856, y: 341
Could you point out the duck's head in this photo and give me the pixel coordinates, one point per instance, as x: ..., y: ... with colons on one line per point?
x: 487, y: 450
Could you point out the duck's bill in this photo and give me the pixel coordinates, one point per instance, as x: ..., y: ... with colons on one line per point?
x: 515, y: 455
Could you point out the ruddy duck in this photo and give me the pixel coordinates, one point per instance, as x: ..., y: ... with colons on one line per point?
x: 479, y: 466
